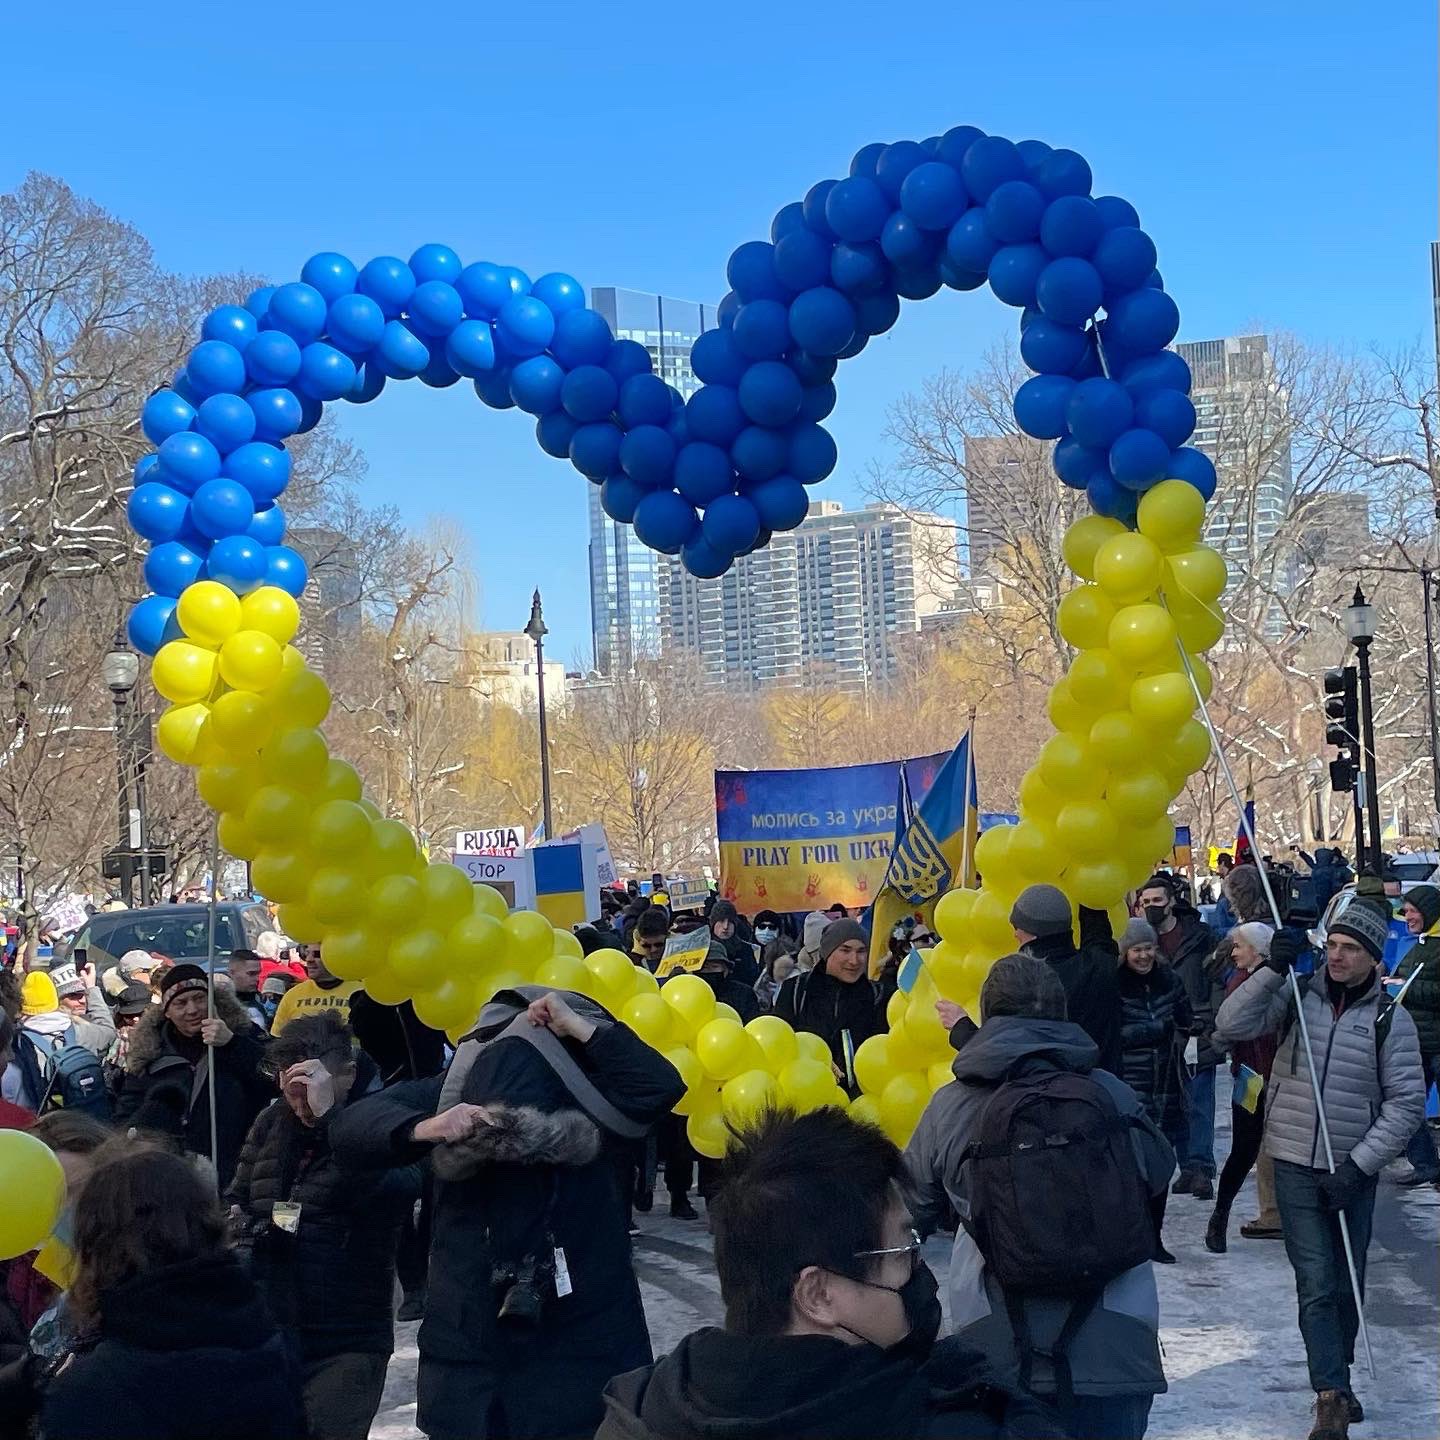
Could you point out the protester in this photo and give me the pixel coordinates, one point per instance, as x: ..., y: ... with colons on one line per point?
x: 273, y: 989
x: 1372, y: 1092
x: 768, y: 927
x: 808, y: 955
x: 718, y: 971
x: 134, y: 967
x: 1043, y: 925
x: 78, y: 993
x: 1246, y: 948
x: 57, y: 1053
x: 131, y: 1004
x: 1420, y: 910
x: 652, y: 930
x: 831, y: 1315
x: 167, y: 1070
x: 533, y: 1301
x: 836, y: 1000
x: 1329, y: 873
x: 320, y: 990
x: 897, y: 950
x: 744, y: 968
x: 836, y: 911
x: 1092, y: 1348
x: 178, y: 1343
x: 12, y: 1116
x: 777, y: 965
x: 243, y: 968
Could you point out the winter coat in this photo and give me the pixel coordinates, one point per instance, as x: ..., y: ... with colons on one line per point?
x: 332, y: 1282
x: 188, y: 1352
x: 729, y: 991
x: 167, y: 1086
x: 19, y: 1396
x: 1373, y: 1108
x: 542, y: 1177
x: 1189, y: 964
x: 402, y: 1046
x: 1155, y: 1016
x: 1258, y: 1054
x: 1116, y: 1351
x: 93, y: 1031
x: 817, y: 1003
x: 1327, y: 877
x: 1092, y: 989
x: 718, y: 1386
x: 744, y: 967
x: 1422, y: 999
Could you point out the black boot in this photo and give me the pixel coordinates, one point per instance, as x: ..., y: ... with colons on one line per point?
x: 1215, y: 1241
x: 1203, y: 1187
x: 681, y: 1208
x: 1184, y: 1183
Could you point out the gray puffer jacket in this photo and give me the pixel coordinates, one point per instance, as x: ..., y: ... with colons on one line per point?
x: 1116, y: 1351
x: 1372, y: 1110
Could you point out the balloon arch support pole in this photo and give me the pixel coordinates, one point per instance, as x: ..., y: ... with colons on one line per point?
x: 1294, y: 995
x: 210, y: 990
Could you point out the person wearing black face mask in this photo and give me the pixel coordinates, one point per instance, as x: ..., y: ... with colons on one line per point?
x: 831, y: 1313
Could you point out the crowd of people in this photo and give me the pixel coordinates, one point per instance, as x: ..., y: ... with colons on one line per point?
x: 257, y: 1166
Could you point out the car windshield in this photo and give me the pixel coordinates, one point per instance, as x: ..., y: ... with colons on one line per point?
x: 179, y: 935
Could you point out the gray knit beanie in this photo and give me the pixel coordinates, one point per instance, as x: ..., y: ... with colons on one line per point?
x: 1364, y: 921
x: 1042, y: 910
x: 1137, y: 932
x: 837, y: 932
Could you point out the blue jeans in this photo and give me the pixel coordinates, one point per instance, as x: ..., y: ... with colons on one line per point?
x: 1420, y: 1152
x: 1328, y: 1318
x: 1106, y: 1417
x: 1197, y: 1140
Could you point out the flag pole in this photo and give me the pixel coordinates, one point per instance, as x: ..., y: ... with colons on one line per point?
x: 967, y: 844
x: 210, y: 992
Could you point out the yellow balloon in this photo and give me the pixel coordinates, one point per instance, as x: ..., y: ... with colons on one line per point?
x: 487, y: 900
x: 1097, y: 885
x: 1087, y: 827
x: 1084, y: 617
x: 531, y: 938
x: 1117, y: 739
x: 748, y: 1095
x: 1037, y: 799
x: 1138, y: 795
x: 806, y: 1085
x: 1083, y: 539
x: 336, y: 895
x: 812, y: 1047
x: 273, y: 612
x: 1128, y: 567
x: 476, y: 942
x: 872, y: 1064
x: 386, y: 988
x: 776, y: 1041
x: 227, y: 784
x: 1196, y: 576
x: 1162, y: 702
x: 692, y: 1000
x: 1065, y: 711
x: 392, y: 849
x: 691, y: 1072
x: 416, y: 956
x: 562, y: 972
x: 865, y: 1110
x: 339, y: 828
x: 568, y: 943
x: 952, y: 910
x: 902, y: 1104
x: 1070, y: 768
x: 939, y: 1074
x: 302, y: 697
x: 1098, y: 678
x: 241, y: 720
x: 250, y: 660
x: 1142, y: 633
x: 1189, y: 750
x: 651, y: 1019
x: 352, y: 953
x: 208, y: 612
x: 708, y: 1133
x: 451, y: 1002
x: 1031, y: 853
x: 340, y: 783
x: 276, y: 814
x: 182, y: 733
x: 725, y: 1050
x: 992, y: 849
x: 282, y: 875
x: 1204, y: 680
x: 445, y: 897
x: 296, y: 757
x: 184, y: 672
x: 946, y: 963
x: 1172, y: 514
x: 645, y: 982
x: 614, y: 970
x: 1199, y: 626
x: 236, y: 837
x: 32, y: 1190
x: 395, y: 901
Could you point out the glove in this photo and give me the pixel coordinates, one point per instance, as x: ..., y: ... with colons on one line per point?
x: 1344, y: 1186
x: 1286, y: 947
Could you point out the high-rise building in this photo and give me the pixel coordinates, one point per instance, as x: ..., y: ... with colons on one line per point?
x: 830, y: 598
x: 624, y: 574
x: 1010, y: 492
x: 332, y: 598
x: 499, y: 666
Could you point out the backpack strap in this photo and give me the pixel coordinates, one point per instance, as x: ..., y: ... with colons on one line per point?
x: 1059, y: 1353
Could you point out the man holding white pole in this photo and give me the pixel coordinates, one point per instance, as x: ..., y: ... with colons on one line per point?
x: 1368, y: 1100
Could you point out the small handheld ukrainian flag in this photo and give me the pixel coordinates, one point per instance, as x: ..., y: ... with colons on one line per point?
x: 1248, y: 1085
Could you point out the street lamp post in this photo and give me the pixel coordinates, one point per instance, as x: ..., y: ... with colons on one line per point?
x: 1360, y: 629
x: 537, y: 632
x: 120, y: 670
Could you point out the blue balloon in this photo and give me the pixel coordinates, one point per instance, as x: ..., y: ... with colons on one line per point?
x: 770, y: 393
x: 1139, y: 458
x: 1050, y: 348
x: 438, y: 373
x: 257, y: 302
x: 1115, y: 212
x: 1195, y: 467
x: 958, y: 279
x: 1015, y: 271
x: 757, y: 453
x: 1071, y: 225
x: 231, y: 323
x: 268, y: 526
x: 954, y: 144
x: 715, y: 358
x: 525, y: 325
x: 559, y: 292
x: 401, y: 354
x: 802, y: 259
x: 149, y: 622
x: 589, y: 393
x: 894, y: 166
x: 822, y: 321
x: 147, y: 467
x: 470, y: 349
x: 933, y: 195
x: 484, y: 289
x: 703, y: 472
x: 1168, y: 413
x: 554, y: 433
x: 1106, y: 497
x: 1124, y: 258
x: 180, y: 384
x: 762, y: 329
x: 702, y: 560
x: 619, y: 496
x: 493, y: 387
x: 278, y: 414
x: 582, y: 337
x: 435, y: 308
x: 727, y: 309
x: 865, y: 159
x: 389, y: 283
x: 534, y: 383
x: 299, y: 310
x: 435, y: 262
x: 857, y: 209
x: 812, y: 369
x: 272, y: 358
x: 731, y: 524
x: 904, y: 243
x: 1032, y: 152
x: 627, y: 358
x: 858, y: 268
x: 221, y: 508
x: 330, y: 273
x: 1165, y: 371
x: 751, y: 272
x: 781, y: 503
x: 264, y: 470
x: 156, y: 511
x: 1098, y: 412
x: 1040, y: 405
x: 713, y: 413
x: 788, y: 219
x: 226, y: 421
x: 970, y: 245
x: 664, y: 521
x: 283, y: 567
x: 915, y: 282
x: 325, y: 372
x: 595, y: 449
x: 187, y: 461
x: 215, y: 367
x: 1077, y: 465
x: 1061, y: 173
x: 311, y: 411
x: 877, y: 312
x: 1068, y: 291
x: 171, y: 566
x: 812, y: 456
x: 644, y: 400
x: 1142, y: 320
x: 165, y: 414
x: 1013, y: 212
x: 818, y: 402
x: 647, y: 455
x: 813, y: 208
x: 369, y: 382
x: 989, y: 162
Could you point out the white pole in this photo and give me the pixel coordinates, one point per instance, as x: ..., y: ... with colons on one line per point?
x: 210, y: 993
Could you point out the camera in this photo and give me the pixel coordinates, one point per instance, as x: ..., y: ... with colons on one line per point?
x: 522, y: 1288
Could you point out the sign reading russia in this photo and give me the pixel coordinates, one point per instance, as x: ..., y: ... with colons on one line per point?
x: 504, y: 840
x: 807, y: 839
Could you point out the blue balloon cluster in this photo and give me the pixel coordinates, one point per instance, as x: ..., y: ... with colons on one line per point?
x: 713, y: 476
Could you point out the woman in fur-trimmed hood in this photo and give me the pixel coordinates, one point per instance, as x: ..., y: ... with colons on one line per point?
x: 529, y: 1220
x: 166, y: 1088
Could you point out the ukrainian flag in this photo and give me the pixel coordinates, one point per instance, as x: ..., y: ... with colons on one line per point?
x: 933, y: 850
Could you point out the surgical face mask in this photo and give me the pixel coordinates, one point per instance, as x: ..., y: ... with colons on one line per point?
x: 1155, y: 915
x: 766, y: 933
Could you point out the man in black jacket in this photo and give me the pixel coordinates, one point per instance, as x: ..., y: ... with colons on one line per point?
x: 1044, y: 927
x: 831, y: 1314
x: 533, y: 1302
x: 725, y: 930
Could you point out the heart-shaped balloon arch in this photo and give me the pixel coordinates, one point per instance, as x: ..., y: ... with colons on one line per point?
x: 708, y: 478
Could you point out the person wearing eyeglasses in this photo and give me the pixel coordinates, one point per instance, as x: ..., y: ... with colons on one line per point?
x: 831, y: 1313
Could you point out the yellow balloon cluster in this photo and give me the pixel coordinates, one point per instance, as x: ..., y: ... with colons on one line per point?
x: 32, y: 1190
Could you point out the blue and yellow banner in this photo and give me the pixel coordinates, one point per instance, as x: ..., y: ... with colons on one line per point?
x: 806, y: 839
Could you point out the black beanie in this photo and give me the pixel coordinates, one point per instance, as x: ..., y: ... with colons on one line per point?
x: 1426, y: 899
x: 177, y: 980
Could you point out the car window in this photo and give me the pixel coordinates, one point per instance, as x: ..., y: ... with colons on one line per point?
x: 180, y: 935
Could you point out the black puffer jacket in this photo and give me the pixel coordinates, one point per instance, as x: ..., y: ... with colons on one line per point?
x: 1190, y: 962
x: 1155, y: 1016
x: 1092, y: 994
x: 332, y: 1282
x: 817, y: 1003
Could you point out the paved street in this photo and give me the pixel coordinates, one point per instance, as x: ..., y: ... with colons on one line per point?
x: 1232, y: 1349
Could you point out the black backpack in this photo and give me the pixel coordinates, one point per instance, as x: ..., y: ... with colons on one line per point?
x: 63, y: 1075
x: 1058, y: 1205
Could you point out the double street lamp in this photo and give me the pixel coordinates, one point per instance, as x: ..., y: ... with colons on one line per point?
x: 537, y: 632
x: 1360, y: 631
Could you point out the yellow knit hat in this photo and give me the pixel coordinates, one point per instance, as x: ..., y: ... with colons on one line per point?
x: 38, y: 995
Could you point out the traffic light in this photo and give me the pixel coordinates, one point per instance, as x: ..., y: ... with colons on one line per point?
x: 1342, y: 712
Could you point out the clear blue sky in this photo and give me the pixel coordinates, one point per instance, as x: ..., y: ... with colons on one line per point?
x: 1282, y: 155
